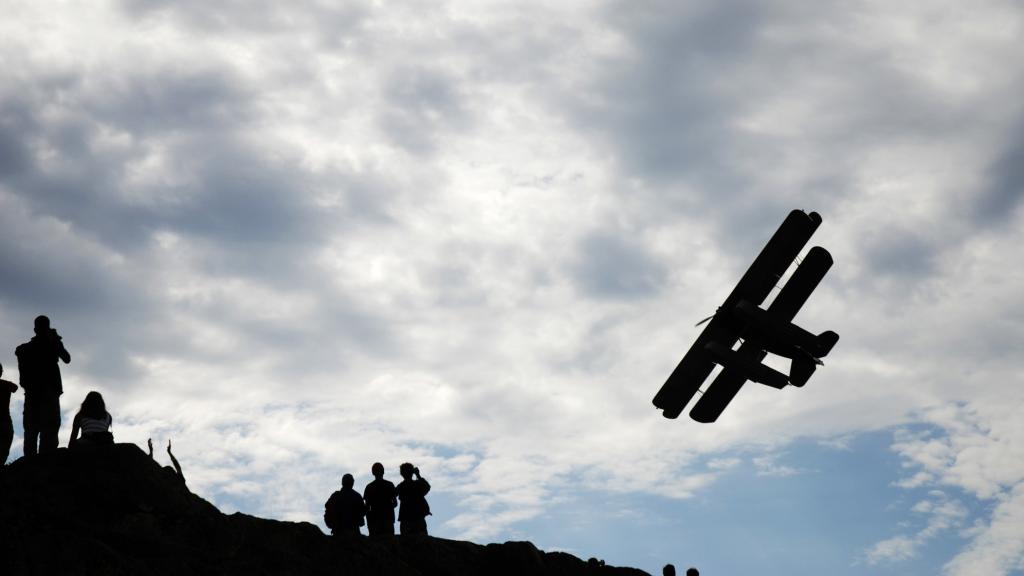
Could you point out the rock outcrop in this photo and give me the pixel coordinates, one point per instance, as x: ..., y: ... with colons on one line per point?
x: 114, y: 511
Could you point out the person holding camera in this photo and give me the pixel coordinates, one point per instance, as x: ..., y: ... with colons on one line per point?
x: 40, y: 379
x: 412, y: 492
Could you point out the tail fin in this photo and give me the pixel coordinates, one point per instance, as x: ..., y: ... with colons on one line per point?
x: 826, y: 340
x: 803, y: 365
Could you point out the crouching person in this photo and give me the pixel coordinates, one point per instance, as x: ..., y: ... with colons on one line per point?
x: 344, y: 511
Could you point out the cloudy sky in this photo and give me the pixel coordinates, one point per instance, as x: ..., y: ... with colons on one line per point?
x: 298, y: 238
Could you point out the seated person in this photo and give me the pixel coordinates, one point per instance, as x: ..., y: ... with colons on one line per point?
x: 93, y: 421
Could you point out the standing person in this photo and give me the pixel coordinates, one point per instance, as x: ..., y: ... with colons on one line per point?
x: 93, y: 421
x: 344, y: 510
x: 412, y: 516
x: 380, y: 503
x: 6, y: 426
x: 40, y: 379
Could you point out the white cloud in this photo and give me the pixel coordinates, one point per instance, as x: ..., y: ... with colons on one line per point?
x: 768, y: 466
x: 977, y: 451
x: 942, y: 515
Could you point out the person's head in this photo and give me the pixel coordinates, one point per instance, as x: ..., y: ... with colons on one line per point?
x: 406, y: 470
x: 93, y: 406
x: 668, y: 570
x: 42, y: 325
x: 1, y: 369
x: 347, y: 481
x: 692, y: 572
x: 377, y: 469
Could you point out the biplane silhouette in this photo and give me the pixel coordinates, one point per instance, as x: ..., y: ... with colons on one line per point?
x: 760, y: 330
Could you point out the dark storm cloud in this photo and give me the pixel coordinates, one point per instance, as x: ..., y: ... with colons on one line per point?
x: 1002, y: 195
x: 82, y: 181
x: 900, y: 253
x: 220, y: 182
x: 97, y: 302
x: 663, y: 103
x: 79, y: 236
x: 168, y: 97
x: 611, y: 266
x: 423, y: 104
x: 14, y: 158
x: 37, y: 266
x: 244, y: 196
x: 670, y: 108
x: 263, y: 16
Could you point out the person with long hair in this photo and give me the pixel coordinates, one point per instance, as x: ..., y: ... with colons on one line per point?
x: 93, y: 421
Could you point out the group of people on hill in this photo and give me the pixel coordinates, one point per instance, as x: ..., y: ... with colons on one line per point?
x: 39, y: 368
x: 346, y: 511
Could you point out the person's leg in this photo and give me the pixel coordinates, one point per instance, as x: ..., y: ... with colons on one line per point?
x: 410, y: 527
x: 382, y: 527
x: 30, y: 420
x: 50, y: 425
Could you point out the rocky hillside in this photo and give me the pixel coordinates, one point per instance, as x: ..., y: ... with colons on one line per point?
x: 114, y: 511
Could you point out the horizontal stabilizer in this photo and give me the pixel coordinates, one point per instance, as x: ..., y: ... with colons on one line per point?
x: 801, y: 369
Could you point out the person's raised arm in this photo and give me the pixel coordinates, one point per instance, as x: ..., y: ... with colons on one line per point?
x: 177, y: 467
x: 422, y: 481
x: 58, y: 343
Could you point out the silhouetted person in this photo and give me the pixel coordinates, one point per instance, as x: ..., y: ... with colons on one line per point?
x: 93, y: 421
x: 692, y: 572
x: 344, y: 510
x: 668, y: 570
x: 381, y: 500
x: 6, y: 426
x: 40, y: 379
x: 412, y: 516
x: 177, y: 467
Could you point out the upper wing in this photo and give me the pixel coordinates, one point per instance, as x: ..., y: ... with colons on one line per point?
x: 776, y: 256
